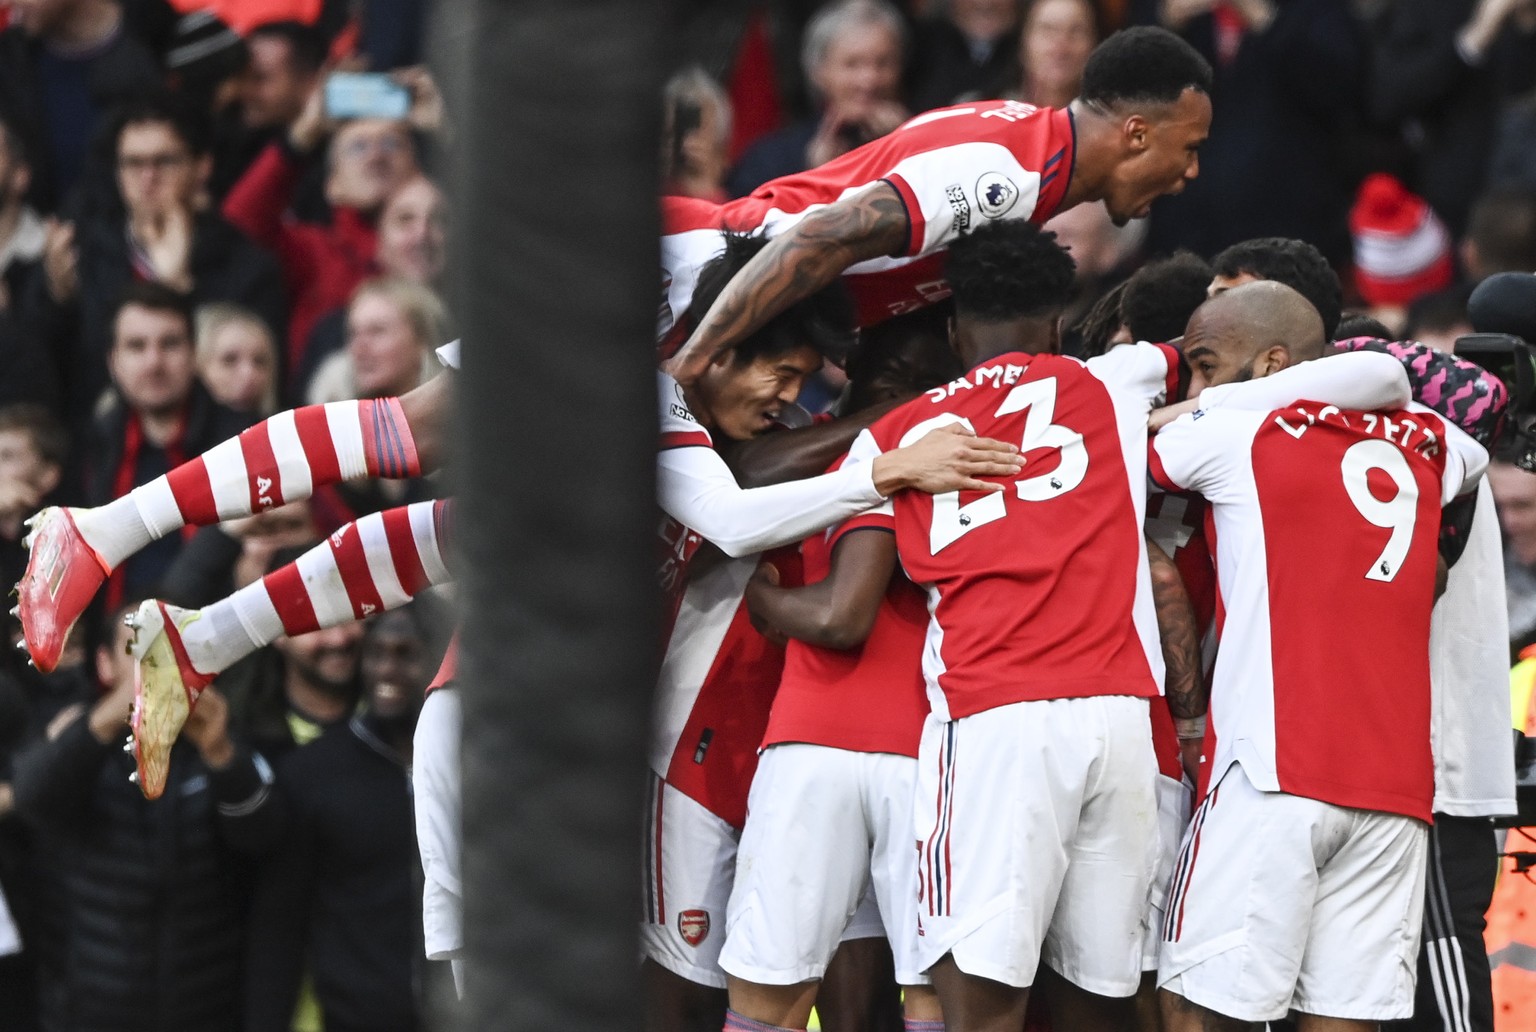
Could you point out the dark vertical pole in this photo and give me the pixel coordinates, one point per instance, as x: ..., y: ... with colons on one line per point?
x: 555, y: 110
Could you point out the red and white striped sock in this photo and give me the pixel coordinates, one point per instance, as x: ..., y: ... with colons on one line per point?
x: 379, y: 562
x: 279, y: 460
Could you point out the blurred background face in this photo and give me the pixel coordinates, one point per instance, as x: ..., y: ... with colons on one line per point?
x: 151, y: 359
x: 239, y: 365
x: 41, y: 17
x: 386, y: 355
x: 984, y: 19
x: 1514, y: 492
x: 860, y: 70
x: 326, y: 658
x: 114, y: 665
x: 370, y: 159
x: 394, y: 668
x: 272, y: 92
x: 1054, y: 45
x: 156, y: 170
x: 413, y: 232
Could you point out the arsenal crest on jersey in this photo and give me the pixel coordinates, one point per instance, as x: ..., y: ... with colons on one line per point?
x: 693, y: 926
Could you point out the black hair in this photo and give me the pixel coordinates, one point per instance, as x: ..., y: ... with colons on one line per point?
x: 1163, y: 294
x: 1096, y: 329
x: 49, y: 438
x: 1296, y: 264
x: 1009, y: 270
x: 1502, y: 227
x: 1437, y: 312
x: 156, y: 297
x: 306, y: 44
x: 824, y: 321
x: 1143, y: 65
x: 1359, y: 324
x: 911, y: 352
x: 188, y: 121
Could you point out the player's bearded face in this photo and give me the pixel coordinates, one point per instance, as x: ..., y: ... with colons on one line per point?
x: 743, y: 400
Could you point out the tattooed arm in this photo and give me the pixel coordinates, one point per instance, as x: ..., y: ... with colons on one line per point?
x: 1185, y: 687
x: 872, y: 223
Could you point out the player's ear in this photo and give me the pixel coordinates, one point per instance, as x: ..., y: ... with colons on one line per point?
x: 1136, y: 133
x: 1273, y: 359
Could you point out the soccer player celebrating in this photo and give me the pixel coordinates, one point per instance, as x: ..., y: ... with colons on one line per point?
x: 881, y: 215
x: 1312, y: 795
x: 1034, y: 785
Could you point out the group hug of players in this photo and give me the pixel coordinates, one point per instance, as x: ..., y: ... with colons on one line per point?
x: 932, y: 674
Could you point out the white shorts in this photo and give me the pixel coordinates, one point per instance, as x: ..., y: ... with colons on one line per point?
x: 1174, y: 800
x: 1037, y: 826
x: 690, y: 860
x: 1285, y: 903
x: 436, y: 790
x: 824, y: 826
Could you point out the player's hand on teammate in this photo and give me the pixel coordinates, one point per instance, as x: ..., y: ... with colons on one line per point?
x: 951, y: 458
x: 766, y: 576
x: 1168, y: 413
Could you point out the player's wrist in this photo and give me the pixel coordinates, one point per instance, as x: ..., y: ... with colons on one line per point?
x: 1189, y: 728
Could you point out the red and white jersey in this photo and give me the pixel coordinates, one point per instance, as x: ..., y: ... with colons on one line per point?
x: 677, y: 543
x: 1321, y: 686
x: 1039, y: 591
x: 716, y: 686
x: 955, y: 168
x: 866, y: 699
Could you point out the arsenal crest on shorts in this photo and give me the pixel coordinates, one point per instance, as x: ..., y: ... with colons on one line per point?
x: 693, y: 926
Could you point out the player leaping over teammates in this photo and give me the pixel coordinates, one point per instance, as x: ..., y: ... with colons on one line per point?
x: 881, y: 215
x: 386, y: 557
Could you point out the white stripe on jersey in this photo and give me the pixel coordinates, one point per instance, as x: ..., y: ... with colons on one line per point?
x: 347, y: 435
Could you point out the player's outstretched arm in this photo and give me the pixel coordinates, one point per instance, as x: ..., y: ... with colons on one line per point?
x: 799, y: 453
x: 838, y: 611
x: 695, y: 487
x: 872, y: 223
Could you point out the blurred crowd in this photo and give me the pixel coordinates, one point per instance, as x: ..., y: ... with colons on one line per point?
x: 195, y: 232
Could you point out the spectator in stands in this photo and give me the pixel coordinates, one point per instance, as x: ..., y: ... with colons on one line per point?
x: 1287, y: 83
x: 852, y: 57
x: 1438, y: 319
x: 1501, y: 233
x: 30, y: 371
x: 63, y: 63
x: 341, y: 898
x: 22, y: 233
x: 287, y: 695
x: 160, y: 234
x: 963, y: 53
x: 1514, y: 493
x: 1054, y: 43
x: 412, y: 247
x: 281, y: 73
x: 144, y: 907
x: 696, y: 136
x: 1402, y: 249
x: 367, y: 160
x: 1440, y: 71
x: 158, y: 415
x: 237, y: 358
x: 33, y: 447
x: 393, y: 329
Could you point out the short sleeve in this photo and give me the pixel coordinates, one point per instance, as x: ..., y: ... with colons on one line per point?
x: 1152, y: 372
x: 679, y: 428
x: 951, y: 190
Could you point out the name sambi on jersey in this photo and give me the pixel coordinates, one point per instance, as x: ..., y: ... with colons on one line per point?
x: 1325, y: 524
x: 954, y: 168
x: 1039, y: 591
